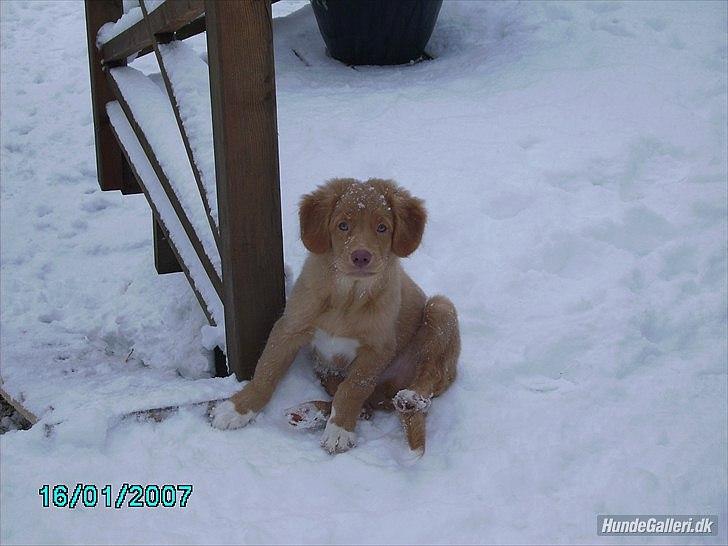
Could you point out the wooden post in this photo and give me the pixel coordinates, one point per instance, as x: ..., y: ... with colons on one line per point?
x: 165, y: 260
x: 242, y: 82
x: 112, y: 172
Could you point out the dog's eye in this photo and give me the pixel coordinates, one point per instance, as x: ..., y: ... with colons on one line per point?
x: 381, y: 228
x: 343, y: 226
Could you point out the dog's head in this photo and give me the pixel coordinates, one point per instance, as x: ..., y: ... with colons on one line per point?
x: 361, y: 224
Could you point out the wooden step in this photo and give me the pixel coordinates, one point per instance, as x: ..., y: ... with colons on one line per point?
x: 166, y: 215
x: 152, y: 119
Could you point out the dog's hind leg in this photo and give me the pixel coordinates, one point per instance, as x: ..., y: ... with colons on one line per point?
x: 309, y: 415
x: 313, y: 415
x: 437, y: 347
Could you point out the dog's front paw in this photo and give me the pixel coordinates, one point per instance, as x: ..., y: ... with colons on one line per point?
x: 225, y: 416
x: 337, y: 439
x: 407, y: 401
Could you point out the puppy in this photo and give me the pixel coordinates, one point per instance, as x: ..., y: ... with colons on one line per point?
x: 377, y: 341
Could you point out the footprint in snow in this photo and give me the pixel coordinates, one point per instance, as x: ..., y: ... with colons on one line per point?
x: 528, y: 142
x: 13, y: 148
x: 79, y: 225
x: 542, y: 384
x: 676, y: 42
x: 507, y: 205
x: 22, y: 129
x: 640, y: 232
x: 96, y: 204
x: 613, y: 26
x: 656, y: 23
x: 50, y: 316
x: 42, y: 226
x: 43, y: 210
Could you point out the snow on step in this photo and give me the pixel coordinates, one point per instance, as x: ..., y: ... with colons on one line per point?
x: 132, y: 15
x: 153, y: 112
x: 167, y: 214
x: 190, y: 79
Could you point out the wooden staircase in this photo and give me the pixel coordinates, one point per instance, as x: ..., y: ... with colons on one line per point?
x: 199, y: 139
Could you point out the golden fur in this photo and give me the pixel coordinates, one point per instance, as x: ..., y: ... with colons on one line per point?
x: 407, y: 345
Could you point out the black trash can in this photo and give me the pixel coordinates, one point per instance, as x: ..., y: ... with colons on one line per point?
x: 376, y: 31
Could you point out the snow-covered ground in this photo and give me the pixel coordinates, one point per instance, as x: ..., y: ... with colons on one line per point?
x: 573, y: 159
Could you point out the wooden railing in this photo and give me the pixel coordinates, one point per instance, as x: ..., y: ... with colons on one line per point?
x: 230, y: 246
x: 167, y: 19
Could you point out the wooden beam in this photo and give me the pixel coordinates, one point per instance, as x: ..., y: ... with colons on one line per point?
x: 187, y: 31
x: 242, y: 81
x: 191, y: 29
x: 179, y: 210
x: 18, y: 406
x: 167, y: 18
x: 129, y: 184
x: 165, y: 260
x: 111, y: 172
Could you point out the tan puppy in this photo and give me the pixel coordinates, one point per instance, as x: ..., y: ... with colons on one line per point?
x: 377, y: 341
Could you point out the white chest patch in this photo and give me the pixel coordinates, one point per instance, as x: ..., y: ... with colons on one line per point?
x: 329, y: 346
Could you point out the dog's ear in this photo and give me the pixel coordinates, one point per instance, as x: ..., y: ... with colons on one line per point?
x: 410, y: 217
x: 314, y: 214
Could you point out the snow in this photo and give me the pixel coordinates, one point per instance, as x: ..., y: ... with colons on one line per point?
x: 132, y: 15
x: 190, y: 79
x: 168, y: 218
x: 153, y: 112
x: 573, y: 160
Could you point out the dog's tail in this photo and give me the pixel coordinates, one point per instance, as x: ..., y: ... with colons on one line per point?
x: 414, y: 429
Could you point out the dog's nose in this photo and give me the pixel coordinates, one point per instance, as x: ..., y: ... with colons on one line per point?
x: 361, y: 258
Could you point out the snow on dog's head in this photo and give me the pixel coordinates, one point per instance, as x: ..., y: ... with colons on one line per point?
x: 362, y: 225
